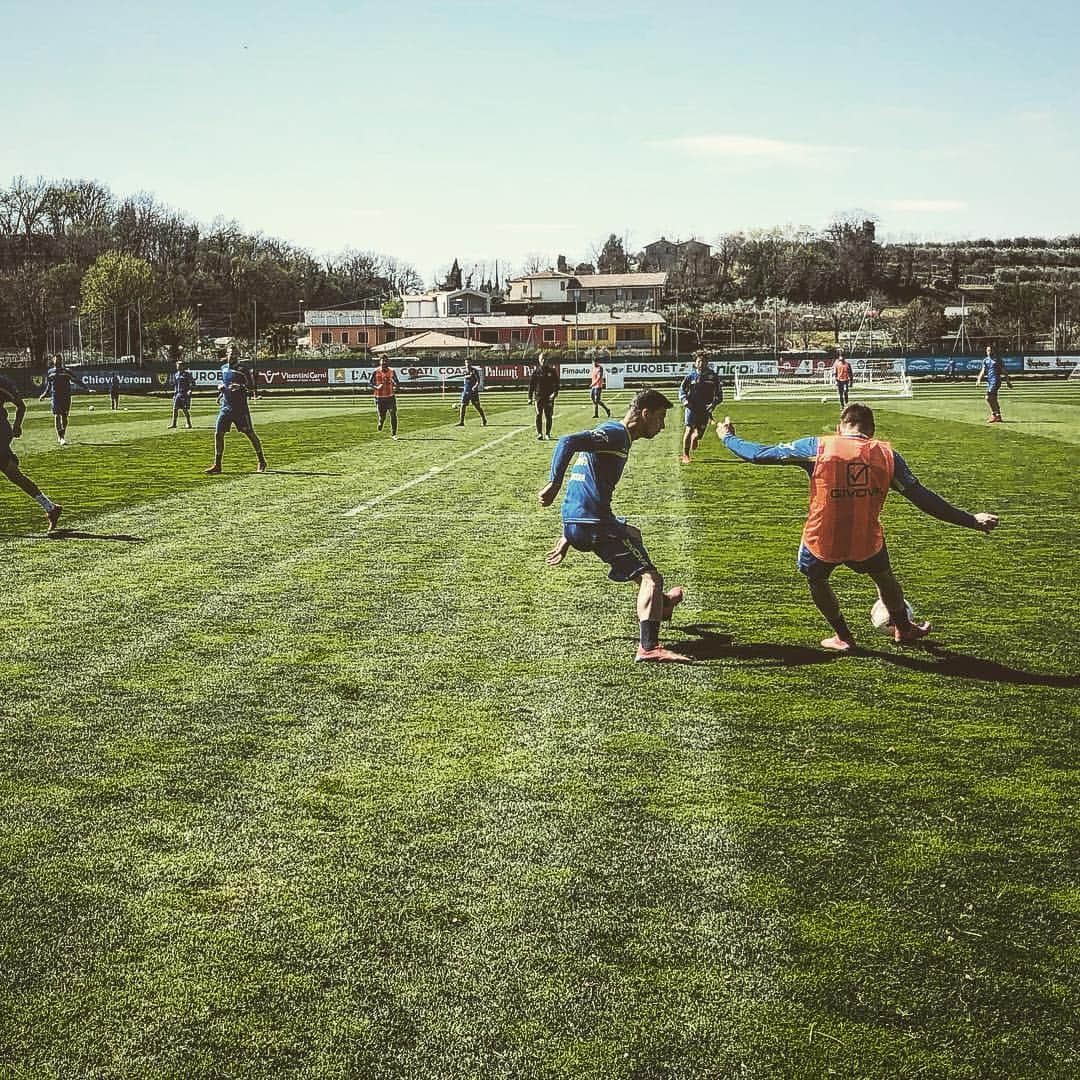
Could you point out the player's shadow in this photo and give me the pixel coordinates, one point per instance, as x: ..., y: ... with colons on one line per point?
x: 299, y: 472
x: 711, y: 645
x: 935, y: 660
x: 78, y: 534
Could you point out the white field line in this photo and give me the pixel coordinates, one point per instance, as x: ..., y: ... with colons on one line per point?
x: 431, y: 473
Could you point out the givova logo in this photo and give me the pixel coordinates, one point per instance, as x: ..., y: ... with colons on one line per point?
x: 858, y: 483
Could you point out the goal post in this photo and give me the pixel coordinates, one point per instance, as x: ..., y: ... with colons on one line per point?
x: 871, y: 379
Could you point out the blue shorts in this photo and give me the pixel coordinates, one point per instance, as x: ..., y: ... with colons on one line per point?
x: 613, y: 543
x: 386, y: 405
x: 181, y: 403
x: 61, y: 406
x: 595, y: 393
x: 227, y: 419
x: 471, y: 396
x: 816, y: 570
x: 697, y: 419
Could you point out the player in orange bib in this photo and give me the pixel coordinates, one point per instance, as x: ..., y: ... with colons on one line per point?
x: 851, y: 473
x: 384, y: 384
x: 842, y: 373
x: 596, y: 390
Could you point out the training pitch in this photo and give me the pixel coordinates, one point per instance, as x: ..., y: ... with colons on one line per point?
x: 324, y: 773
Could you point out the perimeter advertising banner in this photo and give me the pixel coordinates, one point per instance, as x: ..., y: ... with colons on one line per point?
x: 1063, y: 364
x: 282, y: 378
x: 408, y: 375
x: 100, y: 380
x: 961, y: 365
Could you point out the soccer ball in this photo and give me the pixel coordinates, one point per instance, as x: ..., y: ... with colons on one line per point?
x: 90, y: 408
x: 882, y: 620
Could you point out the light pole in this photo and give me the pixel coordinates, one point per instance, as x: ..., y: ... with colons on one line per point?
x: 577, y: 297
x: 73, y: 332
x: 198, y: 328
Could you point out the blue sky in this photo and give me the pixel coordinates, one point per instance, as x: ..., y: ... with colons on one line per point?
x: 503, y: 130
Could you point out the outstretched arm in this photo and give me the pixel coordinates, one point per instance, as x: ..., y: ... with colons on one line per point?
x: 929, y: 502
x: 801, y: 452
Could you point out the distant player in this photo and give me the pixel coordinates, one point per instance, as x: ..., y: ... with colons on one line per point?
x: 9, y: 463
x: 851, y: 473
x: 993, y: 370
x: 58, y: 386
x: 699, y: 393
x: 950, y: 369
x: 590, y: 525
x: 843, y: 375
x: 543, y: 390
x: 233, y: 392
x: 385, y: 385
x: 470, y: 394
x: 183, y: 382
x: 114, y: 392
x: 597, y: 384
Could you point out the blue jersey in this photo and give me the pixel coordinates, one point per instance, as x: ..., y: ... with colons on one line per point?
x: 182, y: 384
x: 601, y: 458
x: 472, y: 381
x: 58, y: 385
x: 803, y: 452
x: 700, y: 390
x: 234, y: 391
x: 992, y: 372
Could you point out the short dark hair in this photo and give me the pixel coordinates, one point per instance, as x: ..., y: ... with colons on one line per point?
x: 858, y: 416
x: 649, y: 399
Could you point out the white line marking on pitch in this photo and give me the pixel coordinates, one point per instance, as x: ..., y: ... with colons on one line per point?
x: 433, y: 471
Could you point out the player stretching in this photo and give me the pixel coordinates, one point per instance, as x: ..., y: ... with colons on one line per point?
x: 233, y: 391
x: 385, y: 384
x: 699, y: 393
x: 9, y: 463
x: 993, y: 370
x: 543, y: 390
x: 590, y: 525
x: 58, y: 384
x: 470, y: 394
x: 851, y: 473
x: 842, y: 373
x: 596, y: 389
x: 181, y: 403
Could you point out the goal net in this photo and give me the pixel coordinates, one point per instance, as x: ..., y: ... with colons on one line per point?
x: 871, y: 379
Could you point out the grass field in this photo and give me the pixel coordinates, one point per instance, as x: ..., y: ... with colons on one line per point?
x: 287, y: 791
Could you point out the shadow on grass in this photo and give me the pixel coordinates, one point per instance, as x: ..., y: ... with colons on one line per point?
x: 75, y: 534
x: 961, y: 666
x: 927, y: 657
x: 711, y: 645
x: 300, y: 472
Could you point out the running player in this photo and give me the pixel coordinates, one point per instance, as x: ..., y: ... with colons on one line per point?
x: 842, y: 374
x: 993, y: 370
x: 9, y: 463
x: 470, y: 394
x: 58, y: 385
x: 385, y: 384
x: 183, y: 382
x: 596, y: 390
x: 233, y: 392
x: 851, y: 473
x: 114, y: 392
x: 543, y: 390
x: 699, y: 393
x: 590, y: 525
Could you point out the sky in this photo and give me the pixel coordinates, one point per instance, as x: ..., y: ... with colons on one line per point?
x: 519, y: 131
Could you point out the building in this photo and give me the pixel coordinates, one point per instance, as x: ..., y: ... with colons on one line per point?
x: 430, y: 341
x: 342, y: 331
x: 689, y: 262
x: 637, y: 291
x: 445, y: 302
x: 635, y: 331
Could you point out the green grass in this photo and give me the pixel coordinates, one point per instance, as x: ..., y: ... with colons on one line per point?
x: 290, y: 792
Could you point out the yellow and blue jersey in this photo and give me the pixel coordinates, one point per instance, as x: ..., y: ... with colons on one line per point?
x: 601, y: 458
x: 182, y: 384
x: 700, y: 390
x: 992, y: 370
x: 234, y: 391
